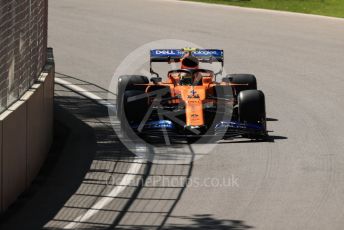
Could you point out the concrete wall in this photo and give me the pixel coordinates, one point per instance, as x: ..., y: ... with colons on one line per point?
x: 26, y: 132
x: 23, y: 43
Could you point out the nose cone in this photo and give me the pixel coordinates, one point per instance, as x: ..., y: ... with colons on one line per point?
x: 193, y: 96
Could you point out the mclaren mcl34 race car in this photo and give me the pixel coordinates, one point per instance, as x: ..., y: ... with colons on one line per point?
x: 190, y: 103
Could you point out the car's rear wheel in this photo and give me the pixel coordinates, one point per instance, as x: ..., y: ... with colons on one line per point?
x: 244, y: 81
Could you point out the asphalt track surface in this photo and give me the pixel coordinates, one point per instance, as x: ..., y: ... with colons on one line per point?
x: 295, y: 181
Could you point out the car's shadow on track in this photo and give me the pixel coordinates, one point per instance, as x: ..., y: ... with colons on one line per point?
x: 271, y: 119
x: 180, y: 143
x: 268, y: 139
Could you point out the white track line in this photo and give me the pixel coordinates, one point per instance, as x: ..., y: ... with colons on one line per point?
x: 127, y: 178
x: 83, y: 92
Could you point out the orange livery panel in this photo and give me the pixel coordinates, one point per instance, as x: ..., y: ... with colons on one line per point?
x: 193, y: 96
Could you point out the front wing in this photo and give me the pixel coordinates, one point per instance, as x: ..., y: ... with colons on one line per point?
x: 223, y: 130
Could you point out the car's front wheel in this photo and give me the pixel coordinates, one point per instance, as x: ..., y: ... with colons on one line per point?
x: 251, y: 107
x: 131, y: 101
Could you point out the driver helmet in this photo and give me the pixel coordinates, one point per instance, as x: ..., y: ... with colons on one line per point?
x: 190, y: 62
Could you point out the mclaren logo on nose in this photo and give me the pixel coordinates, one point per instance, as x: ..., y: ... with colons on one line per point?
x: 193, y: 94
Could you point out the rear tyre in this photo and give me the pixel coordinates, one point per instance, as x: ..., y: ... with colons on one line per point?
x: 251, y: 107
x: 248, y: 79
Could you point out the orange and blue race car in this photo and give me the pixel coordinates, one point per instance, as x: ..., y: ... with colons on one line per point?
x: 189, y: 102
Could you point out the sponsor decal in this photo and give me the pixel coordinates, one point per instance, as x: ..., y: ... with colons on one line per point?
x: 166, y: 53
x: 215, y: 53
x: 193, y: 94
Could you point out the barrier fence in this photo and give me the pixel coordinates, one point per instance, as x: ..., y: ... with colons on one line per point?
x: 23, y: 43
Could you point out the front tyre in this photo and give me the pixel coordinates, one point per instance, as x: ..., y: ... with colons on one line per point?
x: 131, y: 106
x: 126, y: 83
x: 251, y: 107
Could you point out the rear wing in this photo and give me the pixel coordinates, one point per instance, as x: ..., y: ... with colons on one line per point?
x: 176, y: 55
